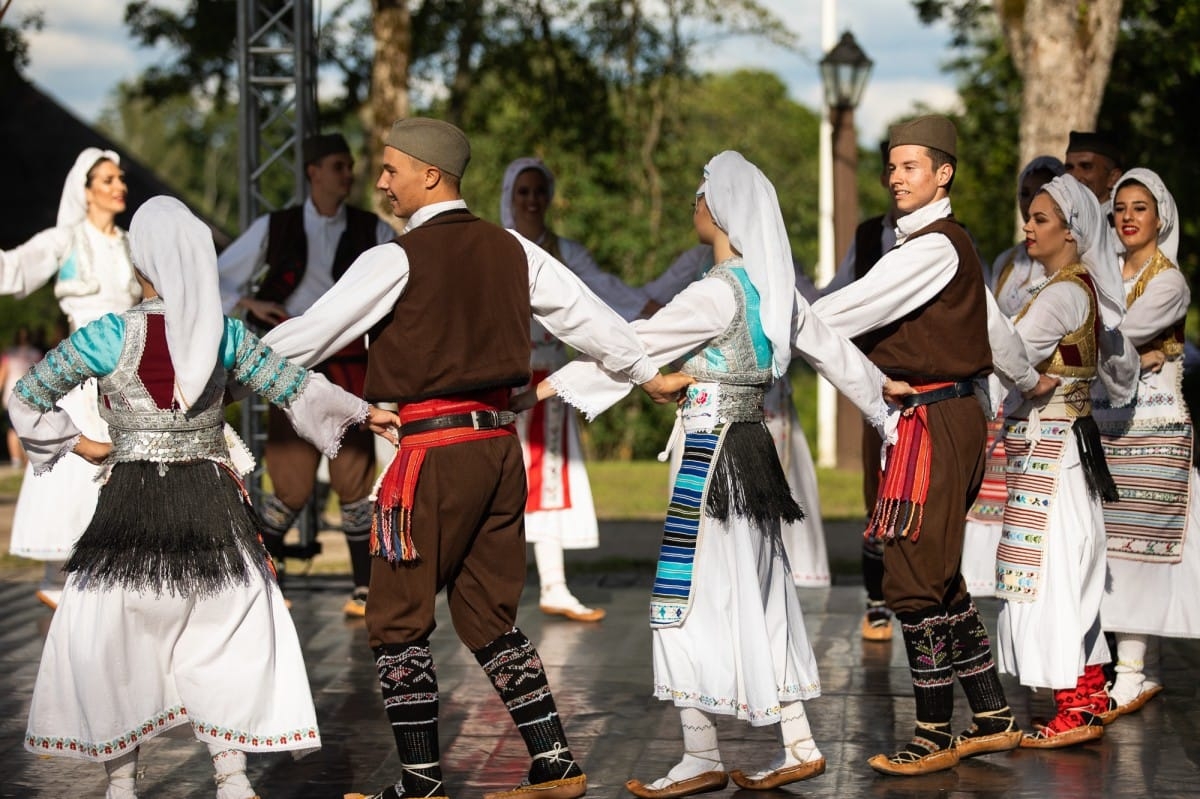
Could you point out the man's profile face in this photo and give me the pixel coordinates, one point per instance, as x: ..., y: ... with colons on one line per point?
x: 332, y: 176
x: 1096, y: 171
x: 402, y: 181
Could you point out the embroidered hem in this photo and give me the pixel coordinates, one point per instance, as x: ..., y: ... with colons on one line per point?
x: 726, y: 706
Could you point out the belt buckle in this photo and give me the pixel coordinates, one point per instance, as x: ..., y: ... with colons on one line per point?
x: 485, y: 420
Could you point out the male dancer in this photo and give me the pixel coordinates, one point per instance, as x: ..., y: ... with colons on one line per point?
x: 305, y: 248
x: 923, y: 314
x: 447, y: 305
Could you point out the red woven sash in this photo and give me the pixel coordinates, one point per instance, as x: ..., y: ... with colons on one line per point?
x: 392, y: 520
x: 904, y: 485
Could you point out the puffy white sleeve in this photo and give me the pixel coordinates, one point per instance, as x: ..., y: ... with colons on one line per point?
x: 625, y: 300
x: 699, y: 313
x: 27, y: 268
x: 239, y: 261
x: 364, y: 295
x: 1164, y: 302
x: 573, y: 314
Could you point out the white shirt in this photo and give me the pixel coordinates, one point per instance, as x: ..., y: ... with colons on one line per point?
x: 906, y: 278
x: 244, y: 258
x: 1164, y: 302
x: 375, y: 283
x: 698, y: 314
x: 844, y: 275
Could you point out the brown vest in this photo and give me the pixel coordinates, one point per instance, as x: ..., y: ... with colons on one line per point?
x: 287, y: 249
x: 946, y: 338
x: 462, y: 323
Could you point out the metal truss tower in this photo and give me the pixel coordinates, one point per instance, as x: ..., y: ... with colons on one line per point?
x: 277, y: 92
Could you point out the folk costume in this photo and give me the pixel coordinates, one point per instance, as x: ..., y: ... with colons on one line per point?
x: 292, y: 257
x: 559, y: 513
x: 93, y: 277
x: 728, y: 633
x: 1153, y: 565
x: 1014, y: 277
x: 803, y: 541
x: 923, y: 314
x: 1050, y: 564
x: 450, y: 508
x: 169, y: 585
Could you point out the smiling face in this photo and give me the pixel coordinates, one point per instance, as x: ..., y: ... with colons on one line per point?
x: 913, y: 180
x: 1047, y: 237
x: 530, y: 200
x: 1135, y: 214
x: 105, y: 189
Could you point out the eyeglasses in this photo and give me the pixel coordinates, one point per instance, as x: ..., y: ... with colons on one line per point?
x: 696, y: 202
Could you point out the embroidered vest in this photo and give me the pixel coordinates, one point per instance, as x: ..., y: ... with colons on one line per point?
x: 740, y: 358
x: 1170, y: 340
x: 1076, y: 355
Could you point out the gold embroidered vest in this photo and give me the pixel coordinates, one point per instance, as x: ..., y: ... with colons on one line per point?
x: 1076, y: 355
x: 1170, y: 340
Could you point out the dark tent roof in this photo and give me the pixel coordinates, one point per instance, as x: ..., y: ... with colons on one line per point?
x: 40, y: 141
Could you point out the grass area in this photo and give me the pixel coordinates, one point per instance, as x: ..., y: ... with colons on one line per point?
x: 638, y: 490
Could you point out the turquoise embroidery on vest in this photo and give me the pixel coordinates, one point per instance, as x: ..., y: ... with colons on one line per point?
x: 762, y: 344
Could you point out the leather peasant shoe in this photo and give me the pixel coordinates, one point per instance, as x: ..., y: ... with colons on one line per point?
x: 386, y: 793
x: 701, y: 783
x: 782, y: 776
x: 1047, y: 737
x: 566, y: 788
x: 1138, y: 701
x: 912, y: 765
x: 559, y: 601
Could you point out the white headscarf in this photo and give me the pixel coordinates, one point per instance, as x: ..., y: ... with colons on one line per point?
x: 510, y: 178
x: 743, y: 204
x: 1042, y: 162
x: 1168, y: 215
x: 72, y: 206
x: 174, y: 251
x: 1089, y: 225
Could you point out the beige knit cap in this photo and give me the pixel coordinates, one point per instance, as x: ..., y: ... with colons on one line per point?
x: 432, y: 141
x: 934, y: 131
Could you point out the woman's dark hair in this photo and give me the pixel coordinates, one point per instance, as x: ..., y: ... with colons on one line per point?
x: 91, y: 173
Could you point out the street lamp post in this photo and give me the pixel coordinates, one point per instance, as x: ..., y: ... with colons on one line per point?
x: 844, y: 73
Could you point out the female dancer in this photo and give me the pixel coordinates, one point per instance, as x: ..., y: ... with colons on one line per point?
x: 1014, y: 274
x: 728, y: 633
x: 1050, y: 561
x: 170, y: 613
x: 559, y: 513
x: 1153, y: 573
x: 88, y: 256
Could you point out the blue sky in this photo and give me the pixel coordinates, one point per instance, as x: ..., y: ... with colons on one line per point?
x: 83, y: 52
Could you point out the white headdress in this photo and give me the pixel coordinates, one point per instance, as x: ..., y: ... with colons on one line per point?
x: 744, y: 205
x: 174, y: 251
x: 510, y: 178
x: 72, y: 206
x: 1090, y: 228
x: 1168, y: 215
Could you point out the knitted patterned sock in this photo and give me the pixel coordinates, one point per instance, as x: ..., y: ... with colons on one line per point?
x: 122, y: 774
x: 928, y: 646
x: 700, y: 751
x: 408, y: 680
x: 277, y: 519
x: 976, y: 670
x: 356, y: 525
x: 229, y: 772
x: 513, y: 666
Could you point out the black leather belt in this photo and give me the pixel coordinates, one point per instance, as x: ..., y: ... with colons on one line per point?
x: 963, y: 388
x: 476, y: 420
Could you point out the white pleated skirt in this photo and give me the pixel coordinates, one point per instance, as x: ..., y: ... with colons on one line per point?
x: 1158, y: 598
x: 1046, y: 643
x: 120, y: 667
x: 574, y: 527
x: 742, y: 650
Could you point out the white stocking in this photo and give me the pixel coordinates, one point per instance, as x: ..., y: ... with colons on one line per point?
x: 700, y: 751
x: 229, y: 771
x: 548, y: 555
x: 122, y: 773
x: 798, y: 744
x: 1131, y: 664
